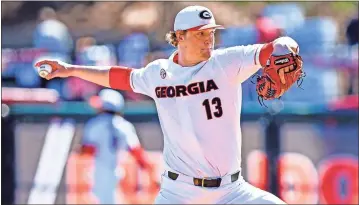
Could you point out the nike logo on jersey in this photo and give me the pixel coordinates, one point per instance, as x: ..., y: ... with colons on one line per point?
x: 182, y: 90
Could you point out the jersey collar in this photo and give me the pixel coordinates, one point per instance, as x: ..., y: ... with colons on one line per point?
x: 174, y: 57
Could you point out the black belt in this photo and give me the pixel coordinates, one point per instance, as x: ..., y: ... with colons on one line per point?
x: 205, y: 182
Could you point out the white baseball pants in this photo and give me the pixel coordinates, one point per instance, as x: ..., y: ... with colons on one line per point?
x: 238, y: 192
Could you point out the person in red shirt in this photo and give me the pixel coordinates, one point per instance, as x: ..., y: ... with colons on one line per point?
x: 267, y: 29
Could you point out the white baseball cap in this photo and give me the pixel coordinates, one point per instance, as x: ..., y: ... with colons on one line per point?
x: 109, y: 100
x: 195, y: 18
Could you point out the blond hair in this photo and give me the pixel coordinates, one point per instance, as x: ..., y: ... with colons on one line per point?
x: 171, y: 38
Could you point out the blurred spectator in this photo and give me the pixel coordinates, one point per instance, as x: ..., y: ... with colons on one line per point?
x: 20, y: 66
x: 7, y: 57
x: 26, y: 76
x: 133, y: 49
x: 76, y: 89
x: 82, y: 45
x: 267, y: 29
x: 52, y: 34
x: 352, y: 32
x: 132, y: 52
x: 317, y: 35
x: 105, y: 135
x: 288, y: 16
x: 352, y: 35
x: 88, y: 53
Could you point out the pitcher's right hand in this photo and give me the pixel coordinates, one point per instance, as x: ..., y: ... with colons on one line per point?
x: 59, y: 69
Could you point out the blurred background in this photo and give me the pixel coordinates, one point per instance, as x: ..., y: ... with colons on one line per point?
x: 303, y: 148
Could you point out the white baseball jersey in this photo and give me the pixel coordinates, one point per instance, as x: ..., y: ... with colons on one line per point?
x: 199, y: 109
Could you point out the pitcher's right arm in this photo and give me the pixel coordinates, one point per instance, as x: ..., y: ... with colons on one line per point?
x: 116, y: 77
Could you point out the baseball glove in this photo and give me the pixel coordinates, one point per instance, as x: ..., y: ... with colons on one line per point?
x: 280, y: 73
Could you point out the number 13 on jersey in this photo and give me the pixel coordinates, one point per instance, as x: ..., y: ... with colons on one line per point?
x: 213, y: 107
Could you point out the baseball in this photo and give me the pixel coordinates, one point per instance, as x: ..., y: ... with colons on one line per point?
x: 44, y: 70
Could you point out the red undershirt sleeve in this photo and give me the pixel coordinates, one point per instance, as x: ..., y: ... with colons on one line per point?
x: 265, y: 53
x: 119, y: 78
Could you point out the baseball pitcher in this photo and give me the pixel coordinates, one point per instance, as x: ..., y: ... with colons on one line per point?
x: 198, y: 96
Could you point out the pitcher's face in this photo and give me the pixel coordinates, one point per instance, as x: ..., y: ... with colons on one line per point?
x: 199, y: 44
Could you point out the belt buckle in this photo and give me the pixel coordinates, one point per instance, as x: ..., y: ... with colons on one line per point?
x: 202, y: 181
x: 202, y: 184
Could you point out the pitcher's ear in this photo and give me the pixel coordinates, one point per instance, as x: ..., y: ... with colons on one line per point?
x: 180, y: 35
